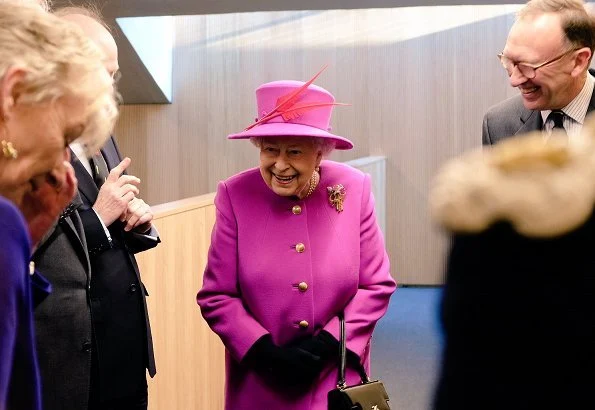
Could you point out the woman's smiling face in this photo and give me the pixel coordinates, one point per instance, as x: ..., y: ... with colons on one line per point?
x: 287, y: 164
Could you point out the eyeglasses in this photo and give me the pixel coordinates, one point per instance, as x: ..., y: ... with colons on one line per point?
x: 526, y: 69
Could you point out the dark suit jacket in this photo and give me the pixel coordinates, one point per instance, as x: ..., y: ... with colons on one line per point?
x: 63, y: 319
x: 119, y: 311
x: 519, y: 321
x: 510, y: 118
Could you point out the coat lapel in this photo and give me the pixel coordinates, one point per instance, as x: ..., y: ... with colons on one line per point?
x: 111, y: 154
x: 73, y: 223
x: 529, y: 121
x: 86, y: 185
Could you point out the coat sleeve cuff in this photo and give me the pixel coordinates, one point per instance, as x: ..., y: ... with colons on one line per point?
x: 97, y: 240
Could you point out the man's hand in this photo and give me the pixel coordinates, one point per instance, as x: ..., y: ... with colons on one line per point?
x: 138, y: 216
x: 51, y: 193
x: 116, y: 193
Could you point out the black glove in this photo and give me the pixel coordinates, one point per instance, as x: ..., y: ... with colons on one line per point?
x: 323, y: 345
x: 289, y: 366
x: 353, y: 361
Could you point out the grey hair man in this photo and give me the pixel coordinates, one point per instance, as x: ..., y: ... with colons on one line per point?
x: 100, y: 356
x: 547, y: 56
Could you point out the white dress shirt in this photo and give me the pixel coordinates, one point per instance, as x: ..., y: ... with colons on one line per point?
x: 79, y: 151
x: 575, y: 111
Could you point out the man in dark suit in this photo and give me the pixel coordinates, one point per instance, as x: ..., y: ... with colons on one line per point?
x: 63, y: 319
x: 95, y: 336
x: 547, y: 56
x: 117, y: 224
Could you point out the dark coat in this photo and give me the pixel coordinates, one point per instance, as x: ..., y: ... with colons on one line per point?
x: 119, y: 311
x: 63, y: 319
x: 519, y: 321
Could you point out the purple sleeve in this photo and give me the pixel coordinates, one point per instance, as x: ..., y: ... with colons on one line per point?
x: 19, y: 375
x: 219, y: 299
x: 14, y: 249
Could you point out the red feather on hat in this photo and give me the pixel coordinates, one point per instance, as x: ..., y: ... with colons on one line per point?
x: 287, y: 106
x: 297, y: 110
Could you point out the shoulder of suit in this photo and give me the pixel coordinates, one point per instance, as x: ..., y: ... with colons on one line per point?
x: 512, y: 106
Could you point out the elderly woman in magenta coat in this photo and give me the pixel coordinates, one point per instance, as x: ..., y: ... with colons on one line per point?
x: 295, y: 243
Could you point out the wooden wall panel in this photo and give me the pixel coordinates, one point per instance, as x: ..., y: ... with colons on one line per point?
x: 418, y: 96
x: 189, y: 356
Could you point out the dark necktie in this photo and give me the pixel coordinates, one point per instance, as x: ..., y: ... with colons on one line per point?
x: 99, y: 169
x: 557, y: 117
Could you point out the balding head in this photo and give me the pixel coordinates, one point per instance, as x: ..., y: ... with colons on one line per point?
x: 100, y: 36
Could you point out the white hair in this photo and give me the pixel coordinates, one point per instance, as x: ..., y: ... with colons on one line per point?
x: 59, y: 61
x: 324, y: 145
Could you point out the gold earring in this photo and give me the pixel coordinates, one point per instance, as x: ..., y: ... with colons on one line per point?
x: 317, y: 169
x: 8, y: 150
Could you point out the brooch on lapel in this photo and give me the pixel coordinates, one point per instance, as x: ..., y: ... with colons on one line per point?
x: 336, y: 195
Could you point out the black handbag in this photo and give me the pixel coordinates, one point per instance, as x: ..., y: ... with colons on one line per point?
x: 369, y: 395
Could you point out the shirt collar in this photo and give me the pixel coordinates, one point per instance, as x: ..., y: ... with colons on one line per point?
x: 577, y: 108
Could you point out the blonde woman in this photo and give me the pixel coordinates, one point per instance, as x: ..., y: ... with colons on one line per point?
x: 53, y: 90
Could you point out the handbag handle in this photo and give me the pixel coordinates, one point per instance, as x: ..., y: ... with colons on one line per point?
x: 341, y: 384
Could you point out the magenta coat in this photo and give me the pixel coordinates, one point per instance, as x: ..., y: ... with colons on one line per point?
x: 251, y: 282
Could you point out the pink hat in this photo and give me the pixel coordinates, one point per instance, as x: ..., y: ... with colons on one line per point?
x: 293, y: 109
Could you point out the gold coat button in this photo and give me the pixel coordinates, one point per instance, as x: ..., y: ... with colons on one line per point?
x: 300, y: 247
x: 304, y: 324
x: 303, y: 286
x: 296, y: 210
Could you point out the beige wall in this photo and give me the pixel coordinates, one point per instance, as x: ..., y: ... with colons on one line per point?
x: 189, y: 356
x: 419, y: 81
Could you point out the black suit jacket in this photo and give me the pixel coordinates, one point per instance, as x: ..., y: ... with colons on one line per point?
x: 63, y: 319
x: 119, y: 311
x: 510, y: 118
x: 519, y: 321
